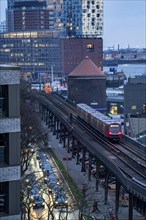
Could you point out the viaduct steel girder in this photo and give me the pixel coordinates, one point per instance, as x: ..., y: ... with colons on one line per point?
x: 136, y: 192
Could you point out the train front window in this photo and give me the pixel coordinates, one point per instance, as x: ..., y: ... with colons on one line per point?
x: 115, y: 128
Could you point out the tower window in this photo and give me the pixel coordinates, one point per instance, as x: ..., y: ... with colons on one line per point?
x: 90, y: 47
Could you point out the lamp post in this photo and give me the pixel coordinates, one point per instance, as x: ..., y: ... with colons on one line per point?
x: 52, y: 74
x: 137, y: 113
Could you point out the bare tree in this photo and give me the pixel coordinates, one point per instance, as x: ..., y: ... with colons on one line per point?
x: 32, y: 132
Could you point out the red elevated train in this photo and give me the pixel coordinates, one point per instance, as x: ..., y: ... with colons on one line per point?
x: 106, y: 126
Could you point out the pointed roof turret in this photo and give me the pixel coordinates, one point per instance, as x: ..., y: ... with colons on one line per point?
x: 87, y: 68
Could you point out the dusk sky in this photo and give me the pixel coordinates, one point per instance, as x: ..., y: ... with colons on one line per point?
x: 124, y: 22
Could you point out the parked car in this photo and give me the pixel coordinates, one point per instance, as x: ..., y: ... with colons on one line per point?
x: 47, y: 169
x: 52, y: 181
x: 60, y: 200
x: 38, y: 201
x: 34, y: 191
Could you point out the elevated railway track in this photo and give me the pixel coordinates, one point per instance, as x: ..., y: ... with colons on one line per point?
x: 125, y: 161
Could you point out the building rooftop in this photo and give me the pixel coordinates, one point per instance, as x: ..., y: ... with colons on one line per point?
x: 87, y: 68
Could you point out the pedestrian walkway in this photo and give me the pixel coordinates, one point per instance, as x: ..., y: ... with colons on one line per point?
x: 81, y: 179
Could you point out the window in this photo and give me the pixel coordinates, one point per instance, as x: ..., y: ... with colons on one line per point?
x: 3, y: 195
x: 133, y: 107
x: 144, y: 108
x: 3, y: 147
x: 3, y: 101
x: 90, y: 47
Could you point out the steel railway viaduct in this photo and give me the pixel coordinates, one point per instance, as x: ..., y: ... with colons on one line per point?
x: 56, y: 114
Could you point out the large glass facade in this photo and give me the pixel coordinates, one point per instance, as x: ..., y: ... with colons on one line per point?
x: 34, y: 52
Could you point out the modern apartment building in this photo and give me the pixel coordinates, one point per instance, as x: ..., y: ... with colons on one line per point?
x: 9, y: 143
x: 83, y: 18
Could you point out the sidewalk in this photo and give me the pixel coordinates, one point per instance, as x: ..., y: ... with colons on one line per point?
x: 81, y: 178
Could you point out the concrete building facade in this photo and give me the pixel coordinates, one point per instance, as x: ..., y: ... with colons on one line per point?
x: 135, y: 95
x: 9, y: 143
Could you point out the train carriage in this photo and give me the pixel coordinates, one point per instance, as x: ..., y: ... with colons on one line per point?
x: 106, y: 126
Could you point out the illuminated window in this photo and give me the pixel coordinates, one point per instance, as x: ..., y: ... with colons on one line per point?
x: 133, y: 107
x: 90, y: 47
x: 144, y: 108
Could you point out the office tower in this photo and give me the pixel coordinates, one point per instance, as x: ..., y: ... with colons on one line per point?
x: 31, y: 15
x: 34, y: 52
x: 9, y: 143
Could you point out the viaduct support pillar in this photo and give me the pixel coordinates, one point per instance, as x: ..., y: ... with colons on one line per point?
x: 52, y: 119
x: 90, y: 163
x: 78, y: 149
x: 54, y: 126
x: 73, y: 147
x: 97, y: 174
x: 57, y: 129
x: 106, y: 189
x: 49, y: 120
x: 83, y: 169
x: 130, y: 206
x: 64, y: 138
x: 60, y: 135
x: 68, y: 142
x: 117, y: 198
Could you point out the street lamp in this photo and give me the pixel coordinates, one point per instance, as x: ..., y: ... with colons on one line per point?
x: 137, y: 113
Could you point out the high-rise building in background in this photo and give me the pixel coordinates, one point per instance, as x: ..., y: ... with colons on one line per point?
x: 70, y: 19
x: 74, y: 18
x: 30, y: 15
x: 10, y: 172
x: 3, y: 27
x: 83, y: 18
x: 10, y: 16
